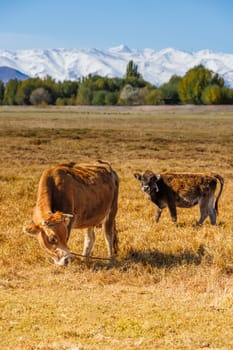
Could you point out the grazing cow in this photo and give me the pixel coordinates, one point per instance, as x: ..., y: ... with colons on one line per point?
x: 75, y: 195
x: 182, y: 190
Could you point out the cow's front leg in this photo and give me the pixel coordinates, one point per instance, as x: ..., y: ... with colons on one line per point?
x: 158, y: 214
x: 69, y: 229
x: 89, y: 241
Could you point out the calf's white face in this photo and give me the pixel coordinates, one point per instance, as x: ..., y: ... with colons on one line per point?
x: 148, y: 182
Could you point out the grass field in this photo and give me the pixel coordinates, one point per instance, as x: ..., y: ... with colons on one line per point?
x: 171, y: 286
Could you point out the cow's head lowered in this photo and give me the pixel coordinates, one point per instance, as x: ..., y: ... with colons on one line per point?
x: 53, y: 234
x: 148, y: 181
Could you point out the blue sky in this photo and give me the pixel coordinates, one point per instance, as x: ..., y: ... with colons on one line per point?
x: 188, y: 25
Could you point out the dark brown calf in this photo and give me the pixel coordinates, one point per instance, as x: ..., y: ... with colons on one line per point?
x: 182, y: 190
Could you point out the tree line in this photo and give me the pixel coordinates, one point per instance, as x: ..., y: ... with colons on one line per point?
x: 198, y: 86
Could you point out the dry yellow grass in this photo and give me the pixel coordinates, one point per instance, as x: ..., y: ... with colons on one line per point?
x: 172, y: 285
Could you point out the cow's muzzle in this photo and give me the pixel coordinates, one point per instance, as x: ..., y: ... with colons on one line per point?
x: 63, y: 257
x: 148, y: 189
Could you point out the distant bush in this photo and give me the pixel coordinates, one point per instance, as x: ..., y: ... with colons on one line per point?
x: 154, y: 97
x: 40, y: 96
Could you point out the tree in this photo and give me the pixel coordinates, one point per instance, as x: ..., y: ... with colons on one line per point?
x: 98, y: 98
x: 66, y: 89
x: 84, y: 96
x: 132, y: 70
x: 10, y: 92
x: 215, y: 94
x: 61, y: 101
x: 227, y: 95
x: 25, y: 89
x: 1, y: 91
x: 212, y: 95
x: 154, y: 97
x: 135, y: 82
x: 111, y: 98
x: 40, y: 96
x: 170, y: 93
x: 194, y: 82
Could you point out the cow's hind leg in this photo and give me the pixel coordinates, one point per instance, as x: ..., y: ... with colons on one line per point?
x: 111, y: 236
x: 212, y: 211
x: 204, y: 212
x: 89, y: 241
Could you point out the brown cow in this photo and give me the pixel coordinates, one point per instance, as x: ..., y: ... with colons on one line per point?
x: 75, y: 195
x: 182, y: 190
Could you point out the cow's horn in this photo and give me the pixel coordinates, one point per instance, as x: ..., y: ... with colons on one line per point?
x: 68, y: 215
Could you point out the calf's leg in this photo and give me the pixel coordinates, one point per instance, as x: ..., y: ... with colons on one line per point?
x: 203, y: 204
x: 158, y: 214
x: 172, y: 209
x: 212, y: 211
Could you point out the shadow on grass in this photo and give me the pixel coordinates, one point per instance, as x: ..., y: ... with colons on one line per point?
x: 157, y: 259
x: 152, y: 258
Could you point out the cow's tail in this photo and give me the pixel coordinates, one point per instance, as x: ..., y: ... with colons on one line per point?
x: 114, y: 208
x: 221, y: 181
x: 103, y: 161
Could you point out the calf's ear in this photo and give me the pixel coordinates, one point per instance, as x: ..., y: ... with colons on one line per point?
x: 31, y: 229
x: 138, y: 176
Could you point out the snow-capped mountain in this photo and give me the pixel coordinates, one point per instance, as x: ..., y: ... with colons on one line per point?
x: 155, y: 66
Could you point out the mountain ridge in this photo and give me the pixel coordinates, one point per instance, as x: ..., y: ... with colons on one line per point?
x: 7, y: 73
x: 155, y: 66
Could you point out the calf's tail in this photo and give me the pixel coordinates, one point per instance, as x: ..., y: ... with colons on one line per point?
x: 115, y: 239
x: 221, y: 181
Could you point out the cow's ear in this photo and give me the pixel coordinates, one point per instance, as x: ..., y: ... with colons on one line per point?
x: 138, y: 176
x: 31, y: 229
x: 156, y: 178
